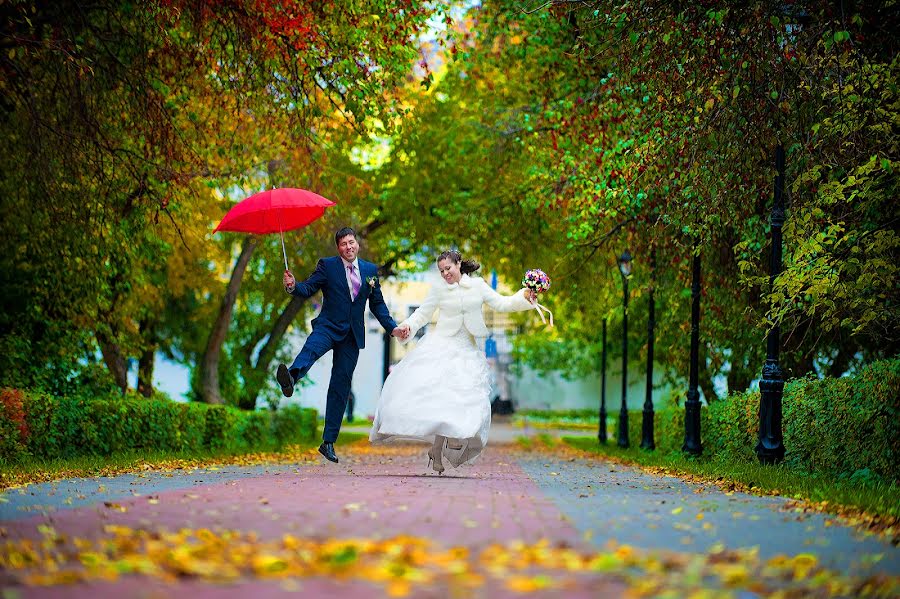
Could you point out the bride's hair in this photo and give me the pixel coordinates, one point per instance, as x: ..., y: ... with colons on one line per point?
x: 465, y: 266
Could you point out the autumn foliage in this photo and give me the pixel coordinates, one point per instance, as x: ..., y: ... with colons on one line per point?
x: 13, y: 426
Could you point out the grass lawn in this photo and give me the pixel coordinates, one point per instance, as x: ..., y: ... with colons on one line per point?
x: 879, y: 500
x: 42, y: 470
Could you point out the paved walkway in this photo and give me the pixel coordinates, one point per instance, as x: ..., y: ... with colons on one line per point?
x: 515, y: 522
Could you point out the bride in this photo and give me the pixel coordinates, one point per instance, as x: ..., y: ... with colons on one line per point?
x: 440, y: 392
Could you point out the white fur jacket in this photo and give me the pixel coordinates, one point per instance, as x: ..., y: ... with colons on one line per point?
x: 460, y: 305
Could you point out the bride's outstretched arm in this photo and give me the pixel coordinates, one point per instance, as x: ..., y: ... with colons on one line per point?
x: 505, y: 303
x: 423, y: 314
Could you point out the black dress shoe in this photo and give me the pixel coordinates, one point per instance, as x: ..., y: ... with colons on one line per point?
x: 327, y: 450
x: 284, y: 378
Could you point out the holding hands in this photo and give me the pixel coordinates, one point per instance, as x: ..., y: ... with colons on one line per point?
x: 401, y: 332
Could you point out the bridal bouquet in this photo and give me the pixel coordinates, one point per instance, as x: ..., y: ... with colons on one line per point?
x: 538, y: 281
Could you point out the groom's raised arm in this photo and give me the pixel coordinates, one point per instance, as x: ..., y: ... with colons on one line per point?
x: 310, y: 286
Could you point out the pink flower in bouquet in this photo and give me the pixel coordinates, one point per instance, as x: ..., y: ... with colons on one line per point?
x: 536, y: 280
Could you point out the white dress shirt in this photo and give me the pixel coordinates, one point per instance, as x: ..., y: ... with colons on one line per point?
x: 355, y: 264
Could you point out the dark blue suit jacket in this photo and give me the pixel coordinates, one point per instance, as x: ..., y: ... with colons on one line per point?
x: 339, y: 312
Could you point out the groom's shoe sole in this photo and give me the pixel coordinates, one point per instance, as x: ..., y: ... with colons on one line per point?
x: 284, y: 378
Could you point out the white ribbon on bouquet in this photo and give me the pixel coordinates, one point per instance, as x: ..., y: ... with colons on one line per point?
x: 540, y: 310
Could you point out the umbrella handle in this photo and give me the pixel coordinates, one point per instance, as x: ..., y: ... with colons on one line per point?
x: 283, y: 251
x: 281, y: 232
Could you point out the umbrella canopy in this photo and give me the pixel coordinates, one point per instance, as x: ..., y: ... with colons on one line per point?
x: 275, y: 211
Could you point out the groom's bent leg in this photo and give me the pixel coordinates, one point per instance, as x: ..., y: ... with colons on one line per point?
x: 346, y: 354
x: 317, y: 344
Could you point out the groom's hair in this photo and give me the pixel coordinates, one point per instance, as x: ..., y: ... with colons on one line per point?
x: 343, y: 233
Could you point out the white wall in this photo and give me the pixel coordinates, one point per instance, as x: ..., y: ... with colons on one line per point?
x: 531, y: 391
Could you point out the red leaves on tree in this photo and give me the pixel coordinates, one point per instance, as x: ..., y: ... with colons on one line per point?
x: 12, y: 409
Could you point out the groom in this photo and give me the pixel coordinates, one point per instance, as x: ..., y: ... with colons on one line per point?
x: 346, y: 282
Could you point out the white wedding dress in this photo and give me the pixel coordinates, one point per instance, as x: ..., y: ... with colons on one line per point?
x: 442, y: 387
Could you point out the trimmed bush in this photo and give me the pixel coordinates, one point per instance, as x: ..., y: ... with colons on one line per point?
x: 310, y: 425
x: 254, y: 430
x: 221, y: 425
x: 848, y: 426
x: 575, y: 414
x: 291, y: 422
x: 50, y: 427
x: 668, y: 428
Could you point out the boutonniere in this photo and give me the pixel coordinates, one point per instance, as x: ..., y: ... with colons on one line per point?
x: 371, y: 281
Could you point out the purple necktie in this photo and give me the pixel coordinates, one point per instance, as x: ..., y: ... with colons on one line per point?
x: 354, y: 281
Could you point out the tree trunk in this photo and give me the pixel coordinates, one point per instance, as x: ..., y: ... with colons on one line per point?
x: 114, y: 360
x: 254, y: 382
x: 147, y: 361
x: 841, y: 363
x: 709, y: 390
x: 105, y: 334
x: 795, y: 362
x: 209, y: 364
x: 705, y: 379
x: 146, y: 364
x: 806, y: 364
x: 738, y: 380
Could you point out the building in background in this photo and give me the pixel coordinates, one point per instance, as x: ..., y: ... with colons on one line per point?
x: 525, y: 391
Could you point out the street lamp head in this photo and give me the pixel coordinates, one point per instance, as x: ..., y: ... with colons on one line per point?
x: 625, y: 263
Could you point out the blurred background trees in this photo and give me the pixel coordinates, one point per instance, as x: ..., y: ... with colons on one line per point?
x: 553, y: 136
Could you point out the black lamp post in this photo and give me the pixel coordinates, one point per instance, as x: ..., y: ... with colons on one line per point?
x: 601, y: 429
x: 625, y: 269
x: 647, y: 441
x: 770, y: 449
x: 692, y: 443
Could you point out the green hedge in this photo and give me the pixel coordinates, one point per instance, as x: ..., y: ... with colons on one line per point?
x: 49, y: 427
x: 848, y: 426
x: 561, y: 415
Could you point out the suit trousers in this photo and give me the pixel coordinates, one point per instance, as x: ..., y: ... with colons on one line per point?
x: 345, y: 356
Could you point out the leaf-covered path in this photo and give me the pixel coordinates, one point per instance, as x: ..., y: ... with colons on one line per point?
x: 380, y: 523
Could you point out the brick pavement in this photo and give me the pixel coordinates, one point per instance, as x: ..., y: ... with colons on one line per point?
x: 384, y: 492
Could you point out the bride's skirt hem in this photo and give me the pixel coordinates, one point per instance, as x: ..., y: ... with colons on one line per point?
x: 465, y: 455
x: 386, y: 439
x: 419, y: 400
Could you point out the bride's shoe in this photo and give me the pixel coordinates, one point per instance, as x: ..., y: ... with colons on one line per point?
x: 439, y: 468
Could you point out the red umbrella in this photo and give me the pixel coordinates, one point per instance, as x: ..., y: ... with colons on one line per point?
x: 275, y: 211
